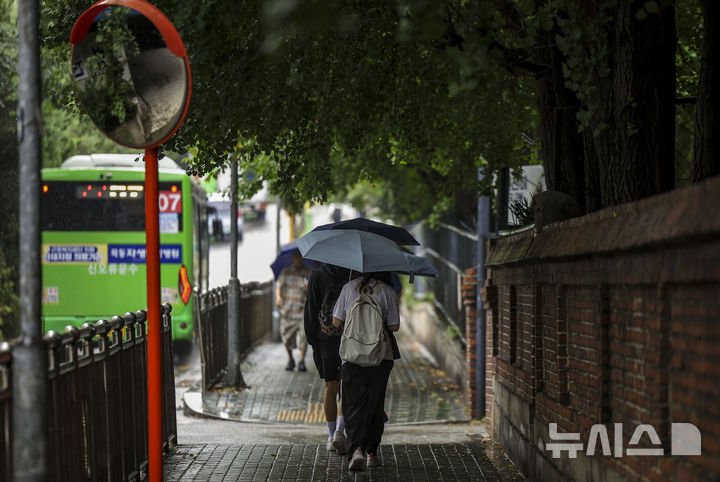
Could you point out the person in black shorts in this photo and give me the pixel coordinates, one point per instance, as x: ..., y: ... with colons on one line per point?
x: 323, y: 289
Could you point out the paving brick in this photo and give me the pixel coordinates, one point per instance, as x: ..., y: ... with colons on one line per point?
x: 480, y: 461
x: 417, y: 393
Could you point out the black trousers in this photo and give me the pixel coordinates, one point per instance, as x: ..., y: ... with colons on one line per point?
x: 363, y: 404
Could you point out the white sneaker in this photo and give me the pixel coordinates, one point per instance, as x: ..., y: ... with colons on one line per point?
x: 340, y: 442
x: 330, y: 446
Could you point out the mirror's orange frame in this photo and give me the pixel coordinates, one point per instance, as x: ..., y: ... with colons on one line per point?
x: 161, y: 22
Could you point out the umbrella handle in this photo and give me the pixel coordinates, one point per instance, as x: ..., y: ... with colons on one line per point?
x: 412, y: 278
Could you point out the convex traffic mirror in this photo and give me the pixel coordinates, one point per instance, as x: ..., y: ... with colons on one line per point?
x: 131, y: 72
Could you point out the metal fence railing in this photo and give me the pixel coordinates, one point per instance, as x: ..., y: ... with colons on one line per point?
x: 97, y: 400
x: 451, y: 250
x: 255, y: 312
x: 254, y: 317
x: 212, y: 335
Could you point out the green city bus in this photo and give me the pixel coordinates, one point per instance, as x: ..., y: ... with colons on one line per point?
x: 93, y: 241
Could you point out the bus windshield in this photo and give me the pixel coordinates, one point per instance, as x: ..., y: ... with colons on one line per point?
x: 106, y: 206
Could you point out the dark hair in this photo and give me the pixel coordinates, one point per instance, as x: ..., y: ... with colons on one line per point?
x: 337, y: 273
x: 382, y: 276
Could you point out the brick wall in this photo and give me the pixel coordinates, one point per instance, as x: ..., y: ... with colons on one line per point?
x: 609, y: 318
x: 469, y: 293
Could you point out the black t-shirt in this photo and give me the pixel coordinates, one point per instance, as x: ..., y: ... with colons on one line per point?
x: 317, y: 284
x: 319, y: 280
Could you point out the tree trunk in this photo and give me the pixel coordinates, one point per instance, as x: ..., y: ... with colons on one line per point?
x: 562, y: 145
x: 631, y: 155
x: 706, y: 154
x: 635, y: 153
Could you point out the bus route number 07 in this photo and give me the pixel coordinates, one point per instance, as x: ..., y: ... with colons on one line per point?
x: 170, y: 202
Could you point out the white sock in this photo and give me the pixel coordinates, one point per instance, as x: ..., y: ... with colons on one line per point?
x: 340, y: 424
x: 331, y: 428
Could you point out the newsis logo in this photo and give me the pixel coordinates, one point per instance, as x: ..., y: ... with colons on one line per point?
x: 685, y: 439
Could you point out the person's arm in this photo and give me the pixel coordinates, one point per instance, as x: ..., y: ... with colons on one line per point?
x: 278, y: 291
x: 393, y: 309
x: 340, y: 308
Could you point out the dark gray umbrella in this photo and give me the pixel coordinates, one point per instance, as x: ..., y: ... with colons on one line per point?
x: 395, y: 233
x: 361, y: 251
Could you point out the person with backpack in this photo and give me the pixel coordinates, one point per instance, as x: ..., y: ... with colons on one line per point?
x: 323, y: 289
x: 368, y: 312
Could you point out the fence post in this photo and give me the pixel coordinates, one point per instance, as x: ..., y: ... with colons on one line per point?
x: 100, y: 357
x: 170, y: 421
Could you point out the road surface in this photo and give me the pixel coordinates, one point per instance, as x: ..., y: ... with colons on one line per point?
x: 258, y: 248
x: 255, y: 253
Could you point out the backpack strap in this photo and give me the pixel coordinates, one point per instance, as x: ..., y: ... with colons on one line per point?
x: 371, y: 292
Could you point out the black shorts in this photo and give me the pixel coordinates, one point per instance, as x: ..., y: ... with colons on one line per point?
x: 326, y: 355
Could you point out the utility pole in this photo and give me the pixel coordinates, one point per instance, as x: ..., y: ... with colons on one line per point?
x: 234, y: 376
x: 483, y: 232
x: 29, y: 402
x: 278, y: 247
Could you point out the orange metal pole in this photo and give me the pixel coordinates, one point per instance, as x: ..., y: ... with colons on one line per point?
x: 154, y: 360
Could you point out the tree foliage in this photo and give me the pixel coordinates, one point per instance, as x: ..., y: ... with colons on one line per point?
x: 706, y: 149
x: 413, y: 96
x: 336, y: 92
x: 9, y: 168
x: 690, y: 33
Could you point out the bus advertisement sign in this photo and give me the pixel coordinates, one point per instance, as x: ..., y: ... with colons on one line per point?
x: 107, y: 254
x: 136, y: 253
x: 74, y: 253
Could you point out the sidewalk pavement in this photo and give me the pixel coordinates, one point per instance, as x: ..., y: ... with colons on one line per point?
x: 417, y: 392
x: 468, y: 461
x: 281, y: 429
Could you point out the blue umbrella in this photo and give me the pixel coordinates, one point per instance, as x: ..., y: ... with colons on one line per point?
x: 395, y: 233
x: 285, y: 259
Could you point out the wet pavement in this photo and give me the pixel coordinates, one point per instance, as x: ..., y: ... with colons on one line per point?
x: 417, y: 392
x: 467, y: 461
x: 275, y: 429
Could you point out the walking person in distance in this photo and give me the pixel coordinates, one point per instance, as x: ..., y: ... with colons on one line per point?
x: 290, y: 299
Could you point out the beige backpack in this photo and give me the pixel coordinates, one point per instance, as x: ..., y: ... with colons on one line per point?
x: 365, y: 341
